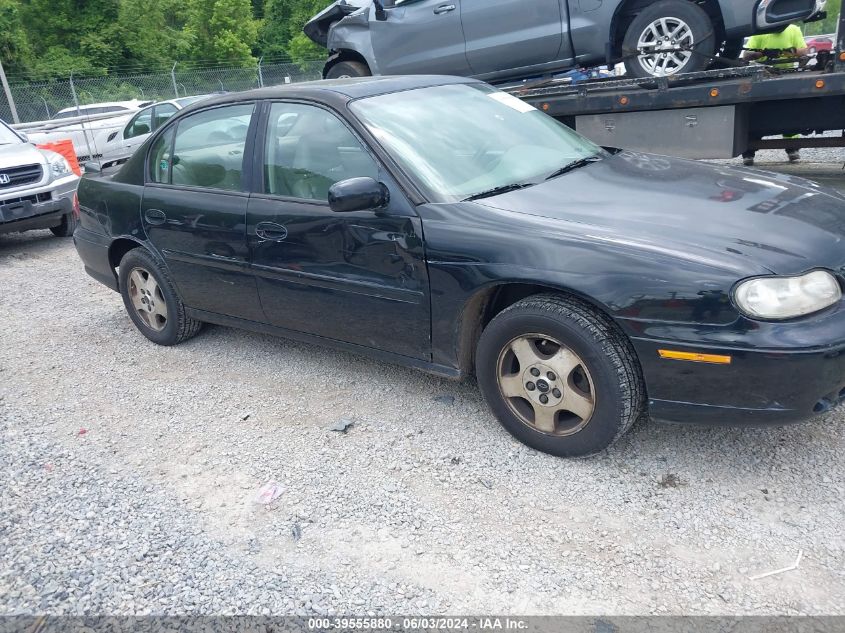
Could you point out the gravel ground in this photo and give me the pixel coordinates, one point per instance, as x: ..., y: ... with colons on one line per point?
x: 129, y: 473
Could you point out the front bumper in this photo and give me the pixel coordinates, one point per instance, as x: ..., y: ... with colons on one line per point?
x: 778, y: 373
x: 38, y: 208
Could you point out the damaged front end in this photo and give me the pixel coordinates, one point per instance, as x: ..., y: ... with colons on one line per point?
x: 320, y: 27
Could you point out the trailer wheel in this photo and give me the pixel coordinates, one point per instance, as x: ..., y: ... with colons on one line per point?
x: 667, y: 38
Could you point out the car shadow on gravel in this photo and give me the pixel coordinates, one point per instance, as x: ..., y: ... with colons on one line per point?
x: 31, y: 244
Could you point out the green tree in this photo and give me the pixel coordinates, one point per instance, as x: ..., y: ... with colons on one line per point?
x: 152, y: 32
x: 222, y: 30
x: 282, y: 29
x: 68, y: 34
x: 15, y: 51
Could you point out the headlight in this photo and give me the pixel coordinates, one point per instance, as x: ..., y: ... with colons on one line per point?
x: 59, y: 166
x: 787, y: 297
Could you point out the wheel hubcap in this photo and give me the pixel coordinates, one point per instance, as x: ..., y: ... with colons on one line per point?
x: 147, y: 299
x: 664, y: 46
x: 546, y: 385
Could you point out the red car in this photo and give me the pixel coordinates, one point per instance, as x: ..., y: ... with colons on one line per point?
x: 818, y: 43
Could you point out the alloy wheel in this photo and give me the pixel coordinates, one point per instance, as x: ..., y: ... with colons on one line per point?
x: 546, y: 385
x: 665, y: 46
x: 147, y: 299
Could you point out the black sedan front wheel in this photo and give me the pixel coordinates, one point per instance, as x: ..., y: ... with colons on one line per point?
x: 559, y: 376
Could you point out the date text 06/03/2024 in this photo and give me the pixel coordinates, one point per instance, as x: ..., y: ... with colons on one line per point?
x: 420, y: 623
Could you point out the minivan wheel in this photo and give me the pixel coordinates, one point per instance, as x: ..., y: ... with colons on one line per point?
x: 151, y: 300
x: 651, y: 43
x: 559, y: 376
x: 345, y: 70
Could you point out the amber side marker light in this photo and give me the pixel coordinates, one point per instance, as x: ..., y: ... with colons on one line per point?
x: 820, y: 83
x: 842, y: 57
x: 694, y: 357
x: 714, y: 92
x: 545, y: 107
x: 623, y: 100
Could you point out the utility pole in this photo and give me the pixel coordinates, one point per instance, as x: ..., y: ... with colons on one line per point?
x: 9, y: 97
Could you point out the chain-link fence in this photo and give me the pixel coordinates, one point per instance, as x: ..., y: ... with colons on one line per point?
x: 41, y: 100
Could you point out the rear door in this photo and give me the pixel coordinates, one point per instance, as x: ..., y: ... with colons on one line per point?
x: 194, y: 208
x: 507, y: 34
x: 420, y: 37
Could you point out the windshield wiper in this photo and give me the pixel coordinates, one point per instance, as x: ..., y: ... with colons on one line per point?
x: 581, y: 162
x: 495, y: 191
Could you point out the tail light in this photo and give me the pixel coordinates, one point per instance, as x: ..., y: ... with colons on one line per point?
x: 75, y: 205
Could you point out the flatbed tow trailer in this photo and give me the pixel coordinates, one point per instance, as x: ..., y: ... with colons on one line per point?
x: 710, y: 114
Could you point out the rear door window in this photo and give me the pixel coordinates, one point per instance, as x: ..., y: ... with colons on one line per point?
x: 209, y: 147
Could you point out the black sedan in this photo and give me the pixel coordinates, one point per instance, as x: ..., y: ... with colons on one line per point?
x: 441, y: 224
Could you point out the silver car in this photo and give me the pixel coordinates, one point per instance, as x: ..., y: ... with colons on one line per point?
x: 37, y: 187
x: 499, y: 40
x: 121, y: 143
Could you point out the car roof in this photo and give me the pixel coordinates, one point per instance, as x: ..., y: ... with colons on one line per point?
x: 338, y: 91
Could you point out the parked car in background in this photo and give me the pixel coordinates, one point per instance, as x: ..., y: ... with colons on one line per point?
x: 109, y: 107
x: 87, y: 129
x: 120, y: 143
x: 37, y: 187
x: 510, y: 39
x: 441, y: 224
x: 818, y: 43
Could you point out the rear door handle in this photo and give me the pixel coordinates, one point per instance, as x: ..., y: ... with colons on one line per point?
x: 444, y: 8
x: 155, y: 216
x: 271, y: 231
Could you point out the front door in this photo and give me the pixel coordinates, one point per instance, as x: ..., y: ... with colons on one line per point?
x: 507, y: 34
x: 194, y: 209
x: 420, y: 37
x: 356, y: 277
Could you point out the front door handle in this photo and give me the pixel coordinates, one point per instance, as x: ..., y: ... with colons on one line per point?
x: 444, y: 8
x: 271, y: 231
x: 155, y: 216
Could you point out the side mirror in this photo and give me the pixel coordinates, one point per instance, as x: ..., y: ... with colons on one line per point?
x: 358, y: 194
x: 381, y: 14
x: 92, y: 167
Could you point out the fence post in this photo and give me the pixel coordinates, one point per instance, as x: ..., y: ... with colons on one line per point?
x: 84, y: 129
x: 9, y: 97
x: 173, y: 77
x: 260, y: 74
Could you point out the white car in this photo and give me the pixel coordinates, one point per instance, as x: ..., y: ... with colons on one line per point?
x: 120, y: 143
x: 87, y: 127
x: 109, y: 107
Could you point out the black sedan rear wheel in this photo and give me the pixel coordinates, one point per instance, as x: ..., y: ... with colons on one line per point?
x: 559, y: 376
x: 151, y: 300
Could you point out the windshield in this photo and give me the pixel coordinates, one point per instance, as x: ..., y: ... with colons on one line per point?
x: 463, y: 140
x: 7, y: 136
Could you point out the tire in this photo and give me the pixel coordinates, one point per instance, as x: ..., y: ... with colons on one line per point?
x: 348, y: 69
x: 604, y: 383
x: 67, y: 226
x: 697, y: 32
x: 164, y: 325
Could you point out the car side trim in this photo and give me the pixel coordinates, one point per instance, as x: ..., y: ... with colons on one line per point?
x: 443, y: 371
x: 345, y: 285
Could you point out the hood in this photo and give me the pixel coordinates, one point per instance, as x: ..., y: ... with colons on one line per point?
x: 19, y: 154
x: 317, y: 28
x: 783, y: 224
